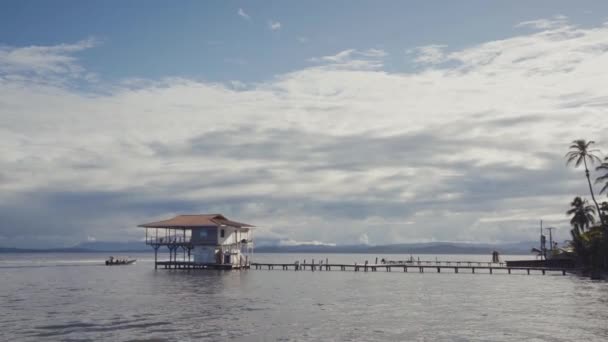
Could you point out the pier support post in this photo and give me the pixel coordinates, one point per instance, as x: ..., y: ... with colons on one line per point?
x: 528, y: 271
x: 472, y: 269
x: 509, y: 270
x: 543, y: 272
x: 490, y: 270
x: 563, y: 272
x: 156, y: 256
x: 455, y: 269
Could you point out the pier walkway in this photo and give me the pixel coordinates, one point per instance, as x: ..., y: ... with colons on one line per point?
x: 415, y: 266
x: 419, y: 266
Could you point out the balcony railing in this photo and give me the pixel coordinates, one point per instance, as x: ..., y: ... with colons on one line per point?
x: 187, y: 240
x: 170, y: 240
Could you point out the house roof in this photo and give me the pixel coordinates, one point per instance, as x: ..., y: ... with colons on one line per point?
x: 196, y: 221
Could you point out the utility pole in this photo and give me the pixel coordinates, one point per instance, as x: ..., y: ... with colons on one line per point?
x: 543, y: 249
x: 550, y: 229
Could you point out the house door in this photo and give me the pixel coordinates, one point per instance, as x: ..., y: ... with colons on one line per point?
x: 227, y: 259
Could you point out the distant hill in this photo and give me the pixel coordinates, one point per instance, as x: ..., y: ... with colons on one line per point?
x: 416, y: 248
x: 413, y: 248
x: 48, y: 250
x: 86, y: 247
x: 109, y: 246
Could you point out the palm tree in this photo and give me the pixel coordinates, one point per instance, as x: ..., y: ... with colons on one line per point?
x: 582, y: 214
x: 604, y: 178
x: 580, y: 153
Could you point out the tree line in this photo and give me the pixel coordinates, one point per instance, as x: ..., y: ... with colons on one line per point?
x: 589, y: 222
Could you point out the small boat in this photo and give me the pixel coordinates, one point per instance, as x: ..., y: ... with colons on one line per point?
x: 112, y: 261
x: 398, y: 262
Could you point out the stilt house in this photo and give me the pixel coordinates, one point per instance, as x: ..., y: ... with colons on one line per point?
x: 201, y: 241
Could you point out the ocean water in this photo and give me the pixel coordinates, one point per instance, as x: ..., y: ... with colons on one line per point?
x: 73, y: 297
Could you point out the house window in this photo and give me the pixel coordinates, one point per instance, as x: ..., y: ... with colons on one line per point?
x: 203, y: 233
x: 222, y: 233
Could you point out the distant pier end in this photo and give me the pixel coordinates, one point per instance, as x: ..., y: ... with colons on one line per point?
x: 209, y: 241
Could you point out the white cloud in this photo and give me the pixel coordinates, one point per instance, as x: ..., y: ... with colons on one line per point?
x: 429, y: 54
x: 43, y: 60
x: 542, y: 24
x: 374, y: 53
x: 353, y: 59
x: 274, y: 25
x: 241, y: 12
x: 340, y: 56
x: 470, y: 150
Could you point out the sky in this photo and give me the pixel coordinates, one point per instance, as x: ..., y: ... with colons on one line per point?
x: 324, y: 122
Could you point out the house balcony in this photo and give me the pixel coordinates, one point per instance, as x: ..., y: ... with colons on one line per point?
x: 181, y: 241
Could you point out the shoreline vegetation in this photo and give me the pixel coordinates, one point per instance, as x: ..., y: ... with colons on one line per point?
x: 589, y: 233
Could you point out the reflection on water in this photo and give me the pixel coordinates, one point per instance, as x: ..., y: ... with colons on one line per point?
x: 137, y: 303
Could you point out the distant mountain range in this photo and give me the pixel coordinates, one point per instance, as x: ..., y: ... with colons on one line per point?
x: 413, y: 248
x: 86, y: 247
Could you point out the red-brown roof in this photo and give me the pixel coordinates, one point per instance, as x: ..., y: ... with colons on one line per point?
x: 196, y: 221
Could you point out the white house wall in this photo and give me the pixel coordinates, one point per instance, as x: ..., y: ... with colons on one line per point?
x: 231, y: 235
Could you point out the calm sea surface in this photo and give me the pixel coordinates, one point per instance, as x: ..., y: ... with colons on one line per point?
x: 72, y: 297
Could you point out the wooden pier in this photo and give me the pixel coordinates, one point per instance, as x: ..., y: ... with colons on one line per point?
x: 416, y: 266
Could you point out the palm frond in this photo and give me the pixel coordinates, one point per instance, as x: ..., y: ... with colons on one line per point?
x: 593, y: 158
x: 601, y: 178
